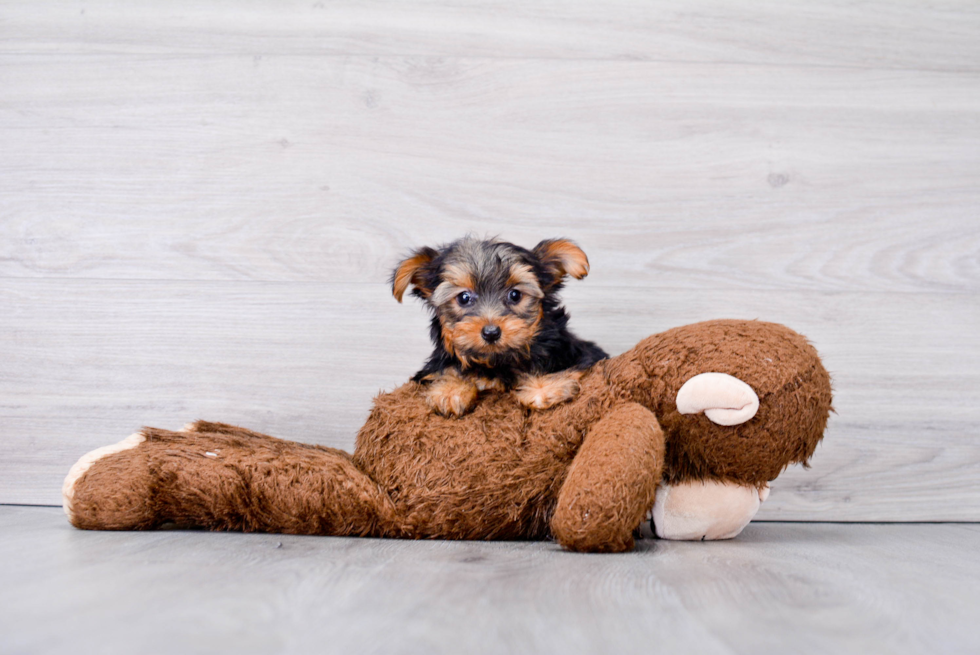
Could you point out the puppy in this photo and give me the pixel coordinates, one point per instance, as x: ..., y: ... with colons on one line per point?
x: 497, y: 322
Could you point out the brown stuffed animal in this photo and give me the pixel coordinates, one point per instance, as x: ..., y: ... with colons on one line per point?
x: 709, y: 413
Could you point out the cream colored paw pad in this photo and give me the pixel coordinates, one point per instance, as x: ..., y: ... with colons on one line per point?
x: 724, y: 399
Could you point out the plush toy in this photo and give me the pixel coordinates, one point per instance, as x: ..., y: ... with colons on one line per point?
x: 688, y: 427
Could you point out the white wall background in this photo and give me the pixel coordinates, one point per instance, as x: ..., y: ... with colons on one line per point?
x: 200, y: 202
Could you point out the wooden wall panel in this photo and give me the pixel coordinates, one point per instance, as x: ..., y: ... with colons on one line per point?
x: 302, y: 168
x: 877, y: 34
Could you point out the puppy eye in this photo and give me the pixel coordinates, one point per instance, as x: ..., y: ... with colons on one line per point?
x: 515, y: 296
x: 464, y: 298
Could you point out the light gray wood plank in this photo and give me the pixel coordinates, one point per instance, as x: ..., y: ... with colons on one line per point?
x: 779, y: 587
x: 87, y: 362
x: 311, y: 169
x: 937, y: 36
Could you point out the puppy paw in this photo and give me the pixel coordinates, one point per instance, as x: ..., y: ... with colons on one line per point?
x: 450, y: 395
x: 546, y: 391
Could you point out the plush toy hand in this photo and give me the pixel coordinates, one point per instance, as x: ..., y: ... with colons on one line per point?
x: 705, y: 510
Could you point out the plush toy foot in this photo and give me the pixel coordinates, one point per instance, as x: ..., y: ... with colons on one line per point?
x: 724, y: 399
x: 699, y: 511
x: 115, y: 490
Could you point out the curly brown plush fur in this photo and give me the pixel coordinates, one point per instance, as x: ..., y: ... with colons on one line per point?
x: 584, y: 472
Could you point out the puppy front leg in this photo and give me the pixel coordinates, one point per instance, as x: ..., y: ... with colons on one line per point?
x: 544, y: 391
x: 450, y: 394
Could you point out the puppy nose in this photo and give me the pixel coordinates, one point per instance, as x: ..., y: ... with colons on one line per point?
x: 490, y: 333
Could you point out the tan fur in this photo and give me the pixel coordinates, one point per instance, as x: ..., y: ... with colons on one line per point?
x: 465, y: 339
x: 466, y: 334
x: 407, y: 273
x: 544, y: 391
x: 485, y: 384
x: 565, y: 257
x: 451, y: 395
x: 523, y: 279
x: 583, y: 472
x: 459, y: 276
x: 449, y: 337
x: 456, y: 279
x: 517, y: 333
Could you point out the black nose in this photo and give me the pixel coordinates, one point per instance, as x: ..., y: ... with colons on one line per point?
x: 490, y: 333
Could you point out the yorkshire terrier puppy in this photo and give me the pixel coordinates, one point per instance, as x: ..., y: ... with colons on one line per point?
x: 497, y: 322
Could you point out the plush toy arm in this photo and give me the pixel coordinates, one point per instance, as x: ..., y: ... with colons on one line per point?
x: 611, y: 483
x: 224, y: 478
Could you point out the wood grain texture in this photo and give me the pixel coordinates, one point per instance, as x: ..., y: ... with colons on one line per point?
x: 940, y: 36
x: 310, y: 169
x: 779, y: 587
x: 87, y: 362
x: 200, y: 201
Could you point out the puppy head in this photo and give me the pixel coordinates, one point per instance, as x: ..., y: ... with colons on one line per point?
x: 489, y: 296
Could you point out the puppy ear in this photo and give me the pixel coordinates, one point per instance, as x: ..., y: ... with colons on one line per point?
x: 409, y: 271
x: 562, y: 257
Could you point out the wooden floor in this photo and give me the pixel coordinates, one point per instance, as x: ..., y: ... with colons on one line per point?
x: 778, y: 588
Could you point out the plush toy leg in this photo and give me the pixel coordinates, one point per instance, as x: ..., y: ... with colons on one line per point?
x: 705, y: 510
x: 224, y: 478
x: 611, y: 482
